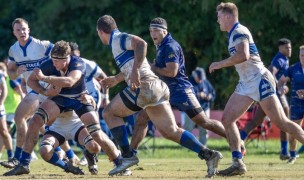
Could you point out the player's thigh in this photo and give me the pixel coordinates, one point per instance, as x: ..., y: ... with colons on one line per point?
x: 117, y: 108
x: 51, y: 109
x: 162, y: 117
x: 235, y: 107
x: 27, y: 107
x: 273, y: 109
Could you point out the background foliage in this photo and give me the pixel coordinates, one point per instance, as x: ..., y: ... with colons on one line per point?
x: 191, y: 22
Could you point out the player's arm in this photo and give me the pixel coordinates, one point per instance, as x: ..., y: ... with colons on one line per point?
x: 281, y: 83
x: 273, y: 71
x: 241, y: 55
x: 170, y: 70
x: 3, y: 88
x: 14, y: 71
x: 67, y: 81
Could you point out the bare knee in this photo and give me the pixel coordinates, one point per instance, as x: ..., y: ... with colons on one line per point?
x: 45, y: 153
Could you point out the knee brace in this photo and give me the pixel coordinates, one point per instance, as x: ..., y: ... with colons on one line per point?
x: 93, y: 128
x: 46, y: 143
x: 87, y: 139
x: 41, y: 112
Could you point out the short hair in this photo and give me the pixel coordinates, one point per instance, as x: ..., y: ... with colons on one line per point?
x: 106, y: 23
x: 301, y: 47
x: 74, y: 46
x: 61, y: 50
x: 199, y: 73
x: 283, y: 41
x: 229, y: 8
x: 159, y: 22
x: 19, y: 20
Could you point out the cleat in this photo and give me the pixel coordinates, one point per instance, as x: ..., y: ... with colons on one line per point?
x: 124, y: 164
x: 212, y: 163
x: 237, y: 168
x: 243, y: 148
x: 126, y: 172
x: 18, y: 170
x: 91, y: 161
x: 73, y: 169
x: 12, y: 163
x: 291, y: 160
x: 284, y: 157
x: 83, y: 161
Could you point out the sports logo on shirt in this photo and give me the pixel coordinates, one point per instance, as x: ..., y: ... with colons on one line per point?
x: 171, y: 55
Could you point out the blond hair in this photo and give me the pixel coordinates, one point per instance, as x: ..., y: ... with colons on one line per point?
x: 229, y: 8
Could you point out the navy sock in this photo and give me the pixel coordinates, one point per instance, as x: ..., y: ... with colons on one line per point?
x: 57, y: 149
x: 18, y: 152
x: 121, y: 137
x: 55, y: 160
x: 25, y: 158
x: 117, y: 160
x: 284, y: 147
x: 243, y: 135
x: 237, y: 154
x: 293, y: 153
x: 189, y: 141
x: 9, y: 154
x: 301, y: 149
x: 70, y: 153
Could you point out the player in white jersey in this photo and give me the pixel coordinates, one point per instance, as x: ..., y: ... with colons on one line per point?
x: 144, y: 91
x: 25, y: 55
x: 256, y: 84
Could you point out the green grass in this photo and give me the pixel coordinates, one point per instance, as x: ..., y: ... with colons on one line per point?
x: 170, y: 161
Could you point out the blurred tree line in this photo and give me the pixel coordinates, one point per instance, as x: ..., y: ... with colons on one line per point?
x: 193, y: 23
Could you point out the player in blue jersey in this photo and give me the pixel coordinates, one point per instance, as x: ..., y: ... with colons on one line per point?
x: 66, y: 74
x: 294, y: 74
x: 256, y: 84
x: 144, y: 91
x: 278, y: 66
x: 24, y: 55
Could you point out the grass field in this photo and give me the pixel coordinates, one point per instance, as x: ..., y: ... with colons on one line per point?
x: 170, y: 161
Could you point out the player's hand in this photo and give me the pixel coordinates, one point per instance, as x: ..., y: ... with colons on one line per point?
x: 38, y: 73
x: 214, y: 66
x: 21, y: 69
x: 104, y: 102
x: 52, y: 90
x: 134, y: 80
x: 108, y: 82
x: 87, y: 99
x: 300, y: 93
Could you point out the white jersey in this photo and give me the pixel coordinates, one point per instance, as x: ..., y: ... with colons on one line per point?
x: 254, y: 66
x: 92, y: 71
x: 124, y: 57
x: 31, y: 55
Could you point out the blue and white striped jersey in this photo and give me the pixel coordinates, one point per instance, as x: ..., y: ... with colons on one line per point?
x: 253, y: 66
x: 124, y: 56
x: 92, y: 71
x: 32, y: 55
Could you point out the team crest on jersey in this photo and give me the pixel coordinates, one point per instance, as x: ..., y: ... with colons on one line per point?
x: 171, y: 55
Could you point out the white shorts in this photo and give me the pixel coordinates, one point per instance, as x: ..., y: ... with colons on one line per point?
x: 67, y: 125
x: 150, y: 93
x: 259, y: 88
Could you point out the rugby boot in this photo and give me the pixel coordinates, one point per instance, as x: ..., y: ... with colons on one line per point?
x: 126, y: 172
x: 124, y: 164
x: 237, y: 168
x: 10, y: 163
x: 69, y: 168
x: 18, y: 170
x: 92, y: 161
x: 212, y: 159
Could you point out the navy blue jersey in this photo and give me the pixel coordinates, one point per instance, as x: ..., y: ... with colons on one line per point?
x: 296, y: 75
x: 76, y: 63
x: 280, y: 62
x: 170, y: 51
